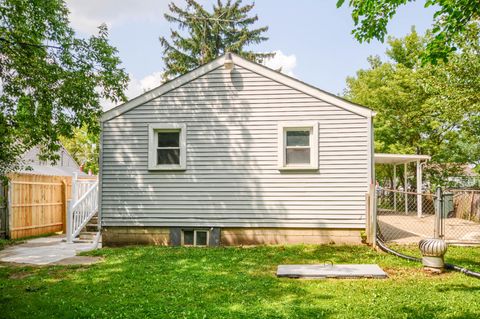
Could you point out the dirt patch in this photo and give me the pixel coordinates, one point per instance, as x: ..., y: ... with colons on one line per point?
x: 20, y: 275
x: 78, y: 260
x: 402, y: 272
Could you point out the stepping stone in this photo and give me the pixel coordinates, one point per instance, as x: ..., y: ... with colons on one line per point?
x: 324, y: 271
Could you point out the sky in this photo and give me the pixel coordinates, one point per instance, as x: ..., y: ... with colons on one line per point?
x: 312, y: 39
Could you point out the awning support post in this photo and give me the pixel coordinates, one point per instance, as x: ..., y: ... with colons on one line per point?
x: 406, y: 187
x: 394, y: 187
x: 419, y: 189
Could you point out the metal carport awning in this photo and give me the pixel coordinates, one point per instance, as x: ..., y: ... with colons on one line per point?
x: 405, y: 159
x: 396, y: 159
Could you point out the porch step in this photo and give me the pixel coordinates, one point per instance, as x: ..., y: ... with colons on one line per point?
x: 89, y: 232
x: 87, y: 236
x: 91, y: 228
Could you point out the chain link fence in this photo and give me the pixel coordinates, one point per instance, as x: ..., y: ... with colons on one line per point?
x: 404, y: 218
x: 462, y: 216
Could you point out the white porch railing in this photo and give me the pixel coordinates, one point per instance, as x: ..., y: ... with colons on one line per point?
x: 82, y: 207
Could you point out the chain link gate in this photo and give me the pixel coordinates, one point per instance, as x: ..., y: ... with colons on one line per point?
x: 406, y: 217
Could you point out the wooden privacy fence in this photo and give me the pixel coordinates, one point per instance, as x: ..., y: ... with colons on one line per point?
x: 37, y: 204
x: 466, y: 204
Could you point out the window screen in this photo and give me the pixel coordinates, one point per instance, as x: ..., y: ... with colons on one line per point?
x: 297, y: 147
x: 188, y: 237
x: 168, y: 150
x: 201, y: 239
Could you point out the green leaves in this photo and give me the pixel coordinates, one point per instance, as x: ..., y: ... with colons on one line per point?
x: 51, y: 81
x: 340, y: 3
x: 84, y: 147
x: 425, y: 108
x: 371, y: 18
x: 208, y: 35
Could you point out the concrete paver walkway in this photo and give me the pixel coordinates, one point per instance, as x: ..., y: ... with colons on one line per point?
x: 43, y: 251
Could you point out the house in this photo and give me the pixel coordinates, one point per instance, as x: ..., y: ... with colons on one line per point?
x: 235, y: 153
x: 64, y: 166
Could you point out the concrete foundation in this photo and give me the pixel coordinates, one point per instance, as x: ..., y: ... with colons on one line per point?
x: 121, y: 236
x: 281, y: 236
x: 124, y: 236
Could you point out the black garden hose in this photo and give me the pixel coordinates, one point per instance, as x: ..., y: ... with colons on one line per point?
x: 387, y: 249
x: 465, y: 271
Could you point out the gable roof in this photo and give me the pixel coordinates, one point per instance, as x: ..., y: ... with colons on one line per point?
x: 65, y: 166
x: 252, y: 66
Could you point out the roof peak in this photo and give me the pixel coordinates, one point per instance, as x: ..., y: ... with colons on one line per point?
x: 249, y: 65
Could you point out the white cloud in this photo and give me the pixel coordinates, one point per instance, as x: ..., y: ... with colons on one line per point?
x: 87, y: 15
x: 286, y: 62
x: 137, y: 87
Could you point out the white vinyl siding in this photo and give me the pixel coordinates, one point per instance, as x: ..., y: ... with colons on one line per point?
x: 232, y: 177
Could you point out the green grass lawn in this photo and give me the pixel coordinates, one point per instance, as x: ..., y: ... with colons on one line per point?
x: 166, y: 282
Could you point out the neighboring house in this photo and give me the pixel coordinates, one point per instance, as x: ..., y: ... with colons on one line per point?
x: 467, y: 179
x: 64, y: 166
x: 235, y: 153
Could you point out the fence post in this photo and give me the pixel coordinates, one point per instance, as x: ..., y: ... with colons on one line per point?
x: 75, y: 187
x: 70, y: 221
x: 368, y: 226
x: 3, y: 210
x: 373, y: 214
x: 9, y: 209
x: 64, y: 205
x: 438, y: 232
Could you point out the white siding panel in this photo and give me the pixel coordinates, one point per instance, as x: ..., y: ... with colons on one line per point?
x: 232, y: 178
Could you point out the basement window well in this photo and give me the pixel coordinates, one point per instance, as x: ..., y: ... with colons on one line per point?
x: 195, y: 237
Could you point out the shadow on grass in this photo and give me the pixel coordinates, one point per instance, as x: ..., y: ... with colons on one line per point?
x: 458, y: 287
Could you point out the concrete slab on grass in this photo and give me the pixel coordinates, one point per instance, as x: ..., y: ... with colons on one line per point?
x: 331, y: 271
x: 43, y: 251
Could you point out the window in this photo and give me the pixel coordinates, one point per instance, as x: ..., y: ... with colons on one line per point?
x: 167, y: 147
x: 195, y: 237
x: 298, y: 146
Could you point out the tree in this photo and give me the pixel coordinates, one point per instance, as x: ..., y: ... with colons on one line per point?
x: 429, y: 109
x: 371, y: 18
x: 83, y: 146
x: 51, y: 81
x: 208, y: 35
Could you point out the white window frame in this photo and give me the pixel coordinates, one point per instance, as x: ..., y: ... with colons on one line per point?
x: 195, y: 237
x: 153, y: 129
x: 283, y: 128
